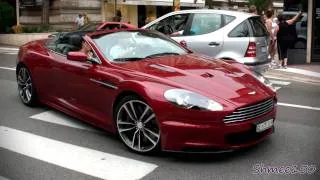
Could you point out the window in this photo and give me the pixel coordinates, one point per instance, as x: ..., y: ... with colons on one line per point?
x: 241, y: 30
x: 173, y: 25
x: 205, y: 23
x: 228, y: 19
x: 258, y: 28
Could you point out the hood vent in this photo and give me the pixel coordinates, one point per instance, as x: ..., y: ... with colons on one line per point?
x: 207, y: 75
x: 162, y: 67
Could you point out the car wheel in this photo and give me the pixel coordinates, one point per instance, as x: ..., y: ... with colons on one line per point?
x: 26, y: 87
x: 137, y: 125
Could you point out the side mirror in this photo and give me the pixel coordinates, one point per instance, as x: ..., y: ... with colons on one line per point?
x: 183, y: 43
x: 77, y: 56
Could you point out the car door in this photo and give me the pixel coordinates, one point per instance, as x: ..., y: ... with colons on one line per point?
x: 81, y: 88
x: 172, y: 25
x: 204, y: 34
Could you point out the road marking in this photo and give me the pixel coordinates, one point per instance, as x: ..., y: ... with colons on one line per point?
x: 301, y: 71
x: 7, y: 68
x: 283, y: 83
x: 88, y: 161
x: 299, y: 106
x: 11, y: 53
x: 8, y: 48
x: 277, y: 88
x: 61, y: 119
x: 3, y: 178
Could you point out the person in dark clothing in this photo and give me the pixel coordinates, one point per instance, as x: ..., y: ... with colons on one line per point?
x: 285, y: 37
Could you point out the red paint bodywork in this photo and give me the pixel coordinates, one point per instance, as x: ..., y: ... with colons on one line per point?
x: 66, y: 85
x: 122, y: 25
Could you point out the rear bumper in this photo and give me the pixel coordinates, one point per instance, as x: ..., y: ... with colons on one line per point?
x: 259, y: 65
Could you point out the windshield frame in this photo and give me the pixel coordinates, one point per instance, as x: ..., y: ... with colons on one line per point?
x: 95, y: 36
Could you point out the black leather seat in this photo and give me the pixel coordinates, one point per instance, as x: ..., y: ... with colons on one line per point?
x: 74, y: 44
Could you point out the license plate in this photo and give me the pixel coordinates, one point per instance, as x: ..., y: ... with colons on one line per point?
x: 264, y: 49
x: 264, y: 125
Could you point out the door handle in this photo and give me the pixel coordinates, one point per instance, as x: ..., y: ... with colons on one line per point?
x: 214, y: 44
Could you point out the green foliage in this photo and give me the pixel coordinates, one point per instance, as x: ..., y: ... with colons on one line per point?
x: 262, y: 5
x: 7, y: 16
x: 36, y: 29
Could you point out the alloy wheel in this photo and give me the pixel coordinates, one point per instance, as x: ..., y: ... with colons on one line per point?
x: 24, y: 85
x: 137, y: 126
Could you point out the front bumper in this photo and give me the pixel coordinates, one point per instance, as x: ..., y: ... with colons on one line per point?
x: 195, y: 136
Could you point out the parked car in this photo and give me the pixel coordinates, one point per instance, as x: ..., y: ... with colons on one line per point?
x: 218, y: 33
x: 96, y: 26
x: 106, y: 26
x: 300, y: 28
x: 148, y: 89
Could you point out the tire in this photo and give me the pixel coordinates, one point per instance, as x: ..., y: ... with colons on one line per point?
x: 26, y: 87
x: 137, y: 125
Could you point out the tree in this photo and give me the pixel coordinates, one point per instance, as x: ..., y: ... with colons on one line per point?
x: 262, y: 5
x: 209, y: 4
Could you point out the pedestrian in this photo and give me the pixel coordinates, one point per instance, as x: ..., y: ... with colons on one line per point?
x: 271, y: 28
x: 150, y: 17
x: 79, y: 22
x: 253, y: 10
x: 285, y: 37
x: 86, y: 19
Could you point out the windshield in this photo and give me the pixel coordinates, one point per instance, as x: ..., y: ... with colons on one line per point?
x: 136, y: 45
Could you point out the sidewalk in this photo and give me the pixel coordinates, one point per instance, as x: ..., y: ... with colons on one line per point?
x: 305, y: 72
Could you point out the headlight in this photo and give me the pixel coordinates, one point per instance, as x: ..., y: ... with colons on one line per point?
x: 190, y: 100
x: 264, y: 80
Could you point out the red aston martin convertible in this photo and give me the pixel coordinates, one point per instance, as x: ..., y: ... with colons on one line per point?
x: 151, y: 91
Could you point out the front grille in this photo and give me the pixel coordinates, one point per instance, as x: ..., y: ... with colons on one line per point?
x: 250, y: 112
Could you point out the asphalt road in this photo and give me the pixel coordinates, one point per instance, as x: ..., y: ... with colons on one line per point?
x: 295, y: 143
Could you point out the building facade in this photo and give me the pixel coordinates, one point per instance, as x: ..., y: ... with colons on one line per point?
x: 139, y: 12
x: 62, y: 13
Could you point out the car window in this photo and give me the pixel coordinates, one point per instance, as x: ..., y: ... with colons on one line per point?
x: 228, y: 19
x: 258, y: 27
x: 242, y: 30
x: 173, y: 25
x: 204, y: 23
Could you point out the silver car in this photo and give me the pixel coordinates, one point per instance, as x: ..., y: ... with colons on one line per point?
x: 218, y: 33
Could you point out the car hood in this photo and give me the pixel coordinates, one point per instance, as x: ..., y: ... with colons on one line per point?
x: 213, y: 78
